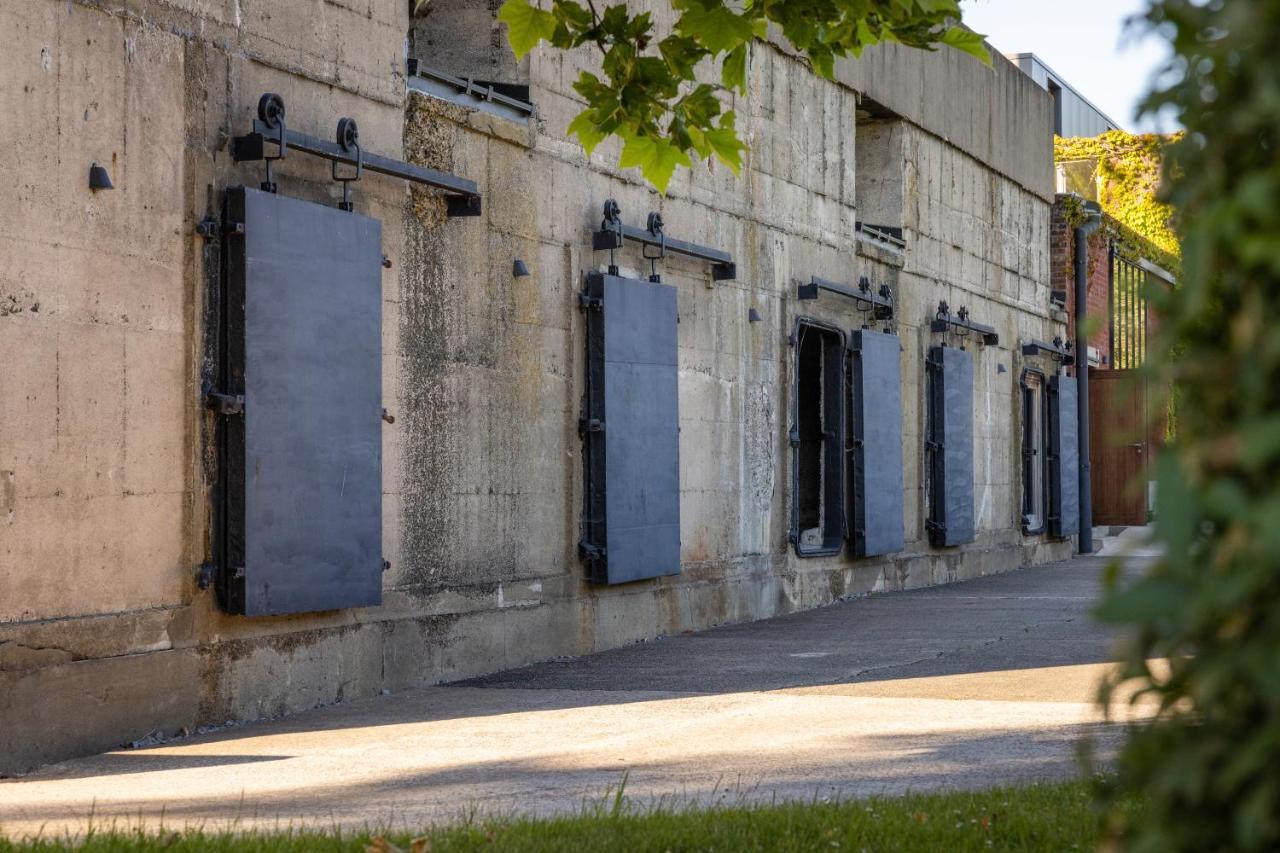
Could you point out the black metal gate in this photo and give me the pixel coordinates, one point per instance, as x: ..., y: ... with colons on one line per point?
x: 1127, y: 297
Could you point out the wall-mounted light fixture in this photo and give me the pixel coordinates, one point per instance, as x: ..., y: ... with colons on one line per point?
x: 753, y: 316
x: 98, y: 178
x: 519, y: 269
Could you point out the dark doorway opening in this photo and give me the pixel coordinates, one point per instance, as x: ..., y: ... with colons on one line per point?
x: 817, y: 439
x: 1034, y: 439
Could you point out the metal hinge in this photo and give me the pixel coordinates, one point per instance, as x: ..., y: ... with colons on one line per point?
x: 933, y: 445
x: 934, y: 525
x: 225, y: 404
x: 587, y: 302
x: 208, y: 228
x: 590, y: 552
x: 794, y: 437
x: 586, y: 425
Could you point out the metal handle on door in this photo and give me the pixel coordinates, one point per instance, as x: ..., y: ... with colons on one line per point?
x: 1138, y: 446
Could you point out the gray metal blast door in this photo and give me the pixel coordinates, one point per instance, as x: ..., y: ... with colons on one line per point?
x: 631, y: 431
x: 302, y: 484
x: 1064, y: 458
x: 950, y: 446
x: 876, y: 514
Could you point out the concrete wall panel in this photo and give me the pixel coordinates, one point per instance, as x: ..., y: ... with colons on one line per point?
x: 104, y: 479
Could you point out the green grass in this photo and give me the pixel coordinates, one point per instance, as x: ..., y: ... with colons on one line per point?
x: 1035, y: 817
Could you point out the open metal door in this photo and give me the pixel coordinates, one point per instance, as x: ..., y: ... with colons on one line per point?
x: 875, y: 516
x: 1064, y: 457
x: 950, y: 446
x: 631, y: 431
x: 300, y: 491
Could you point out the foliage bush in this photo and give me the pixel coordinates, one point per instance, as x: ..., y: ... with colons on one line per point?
x: 1210, y: 763
x: 1129, y: 169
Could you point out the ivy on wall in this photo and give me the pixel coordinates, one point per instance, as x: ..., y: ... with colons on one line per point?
x: 1128, y: 171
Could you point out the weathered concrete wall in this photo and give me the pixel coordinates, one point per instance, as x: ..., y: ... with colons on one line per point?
x: 101, y: 625
x: 464, y: 38
x: 994, y: 113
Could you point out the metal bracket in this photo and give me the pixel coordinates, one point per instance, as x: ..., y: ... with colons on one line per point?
x: 587, y: 551
x: 209, y: 228
x: 1057, y: 350
x: 654, y: 227
x: 878, y: 301
x: 587, y: 302
x: 348, y: 138
x: 943, y: 321
x: 225, y: 404
x: 270, y: 140
x: 613, y: 233
x: 586, y: 425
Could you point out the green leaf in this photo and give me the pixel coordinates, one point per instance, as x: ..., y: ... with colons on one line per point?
x: 589, y: 134
x: 682, y: 54
x: 824, y: 61
x: 526, y: 25
x: 1177, y: 511
x: 1147, y: 600
x: 657, y: 158
x: 733, y: 73
x: 718, y: 28
x: 726, y: 144
x: 967, y: 41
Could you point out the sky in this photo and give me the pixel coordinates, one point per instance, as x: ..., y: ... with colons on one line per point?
x: 1084, y: 42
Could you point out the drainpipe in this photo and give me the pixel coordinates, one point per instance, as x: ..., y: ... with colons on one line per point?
x: 1093, y: 218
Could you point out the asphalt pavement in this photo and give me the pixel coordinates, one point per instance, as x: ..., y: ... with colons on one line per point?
x: 986, y: 682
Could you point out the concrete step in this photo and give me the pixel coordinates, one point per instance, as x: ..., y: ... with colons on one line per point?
x: 1132, y: 541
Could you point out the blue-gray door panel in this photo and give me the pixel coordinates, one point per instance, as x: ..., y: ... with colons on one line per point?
x: 953, y: 459
x: 639, y: 407
x: 877, y: 522
x: 1064, y: 460
x: 313, y: 403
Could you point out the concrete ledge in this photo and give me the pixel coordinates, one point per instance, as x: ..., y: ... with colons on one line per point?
x: 92, y: 706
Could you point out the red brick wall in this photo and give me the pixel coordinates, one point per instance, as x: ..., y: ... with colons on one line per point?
x: 1062, y: 277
